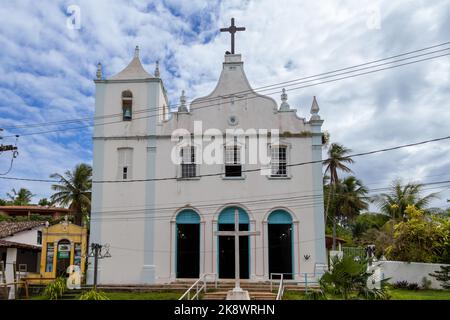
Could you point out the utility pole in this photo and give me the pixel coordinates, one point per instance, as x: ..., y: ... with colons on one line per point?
x: 96, y: 253
x: 9, y: 147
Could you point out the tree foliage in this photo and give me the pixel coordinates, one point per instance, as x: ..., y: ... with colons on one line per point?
x: 74, y: 190
x: 21, y: 197
x: 399, y: 197
x: 420, y: 238
x: 366, y: 221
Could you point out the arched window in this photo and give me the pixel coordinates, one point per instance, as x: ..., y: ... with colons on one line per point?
x: 127, y: 103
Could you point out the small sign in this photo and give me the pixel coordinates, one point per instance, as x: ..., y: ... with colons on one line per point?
x: 63, y: 247
x: 63, y: 254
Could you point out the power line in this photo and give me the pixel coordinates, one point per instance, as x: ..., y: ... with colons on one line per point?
x: 253, y: 90
x: 245, y: 98
x: 288, y: 165
x: 245, y: 170
x: 150, y: 214
x: 208, y: 106
x: 304, y: 200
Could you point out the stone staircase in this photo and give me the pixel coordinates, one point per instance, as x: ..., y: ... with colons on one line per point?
x: 257, y: 290
x: 72, y: 294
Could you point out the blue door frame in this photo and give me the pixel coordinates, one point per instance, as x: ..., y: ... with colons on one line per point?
x: 187, y: 216
x: 283, y: 217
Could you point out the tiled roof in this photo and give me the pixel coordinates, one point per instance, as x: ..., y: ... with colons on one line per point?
x: 33, y: 208
x: 11, y: 244
x: 10, y: 228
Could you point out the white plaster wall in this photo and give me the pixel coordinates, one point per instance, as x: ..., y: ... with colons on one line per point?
x: 25, y: 237
x: 412, y: 272
x: 121, y: 212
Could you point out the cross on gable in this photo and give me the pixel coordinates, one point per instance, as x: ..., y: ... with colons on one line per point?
x: 232, y: 30
x: 236, y: 234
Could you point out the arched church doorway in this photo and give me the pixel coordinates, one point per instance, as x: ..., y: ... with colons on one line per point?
x: 280, y: 243
x: 188, y: 244
x: 226, y: 244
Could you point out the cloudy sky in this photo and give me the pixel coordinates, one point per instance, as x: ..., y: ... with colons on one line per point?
x: 47, y: 70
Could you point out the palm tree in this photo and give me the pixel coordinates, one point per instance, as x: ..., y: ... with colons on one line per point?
x: 74, y: 190
x: 351, y: 197
x: 394, y: 202
x: 337, y: 158
x: 21, y: 197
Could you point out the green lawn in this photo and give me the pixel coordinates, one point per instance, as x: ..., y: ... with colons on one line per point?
x: 165, y: 295
x: 401, y: 294
x: 396, y: 294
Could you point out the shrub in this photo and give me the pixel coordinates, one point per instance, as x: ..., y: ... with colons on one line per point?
x: 54, y: 290
x: 443, y: 276
x: 350, y: 276
x: 401, y: 285
x: 413, y: 286
x: 315, y: 295
x: 93, y: 295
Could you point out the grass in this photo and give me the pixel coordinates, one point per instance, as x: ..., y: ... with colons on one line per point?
x: 163, y: 295
x: 396, y: 294
x: 160, y: 295
x: 402, y: 294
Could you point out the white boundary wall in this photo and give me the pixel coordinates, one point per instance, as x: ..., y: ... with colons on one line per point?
x: 413, y: 272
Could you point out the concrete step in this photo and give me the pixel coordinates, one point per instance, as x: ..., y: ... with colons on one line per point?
x: 257, y: 295
x: 219, y: 295
x: 262, y: 296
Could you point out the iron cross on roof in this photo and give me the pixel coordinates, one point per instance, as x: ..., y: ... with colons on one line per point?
x: 232, y: 29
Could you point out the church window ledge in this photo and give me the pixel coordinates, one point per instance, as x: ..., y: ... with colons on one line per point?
x: 224, y: 177
x: 288, y: 177
x: 187, y: 179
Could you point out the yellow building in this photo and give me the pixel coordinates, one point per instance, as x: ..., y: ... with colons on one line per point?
x: 63, y: 244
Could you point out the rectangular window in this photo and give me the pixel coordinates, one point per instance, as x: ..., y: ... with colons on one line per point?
x: 77, y: 253
x: 125, y: 163
x: 188, y: 165
x: 233, y: 166
x: 278, y: 161
x: 49, y: 259
x: 39, y: 237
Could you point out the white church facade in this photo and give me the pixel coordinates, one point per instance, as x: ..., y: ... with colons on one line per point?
x: 159, y: 217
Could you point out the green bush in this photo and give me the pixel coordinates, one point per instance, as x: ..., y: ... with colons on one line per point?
x: 315, y: 295
x: 443, y: 276
x: 348, y: 277
x: 55, y: 289
x: 93, y: 295
x: 401, y: 285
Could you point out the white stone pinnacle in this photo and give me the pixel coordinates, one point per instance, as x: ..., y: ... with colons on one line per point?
x: 136, y: 52
x: 284, y: 105
x: 315, y: 110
